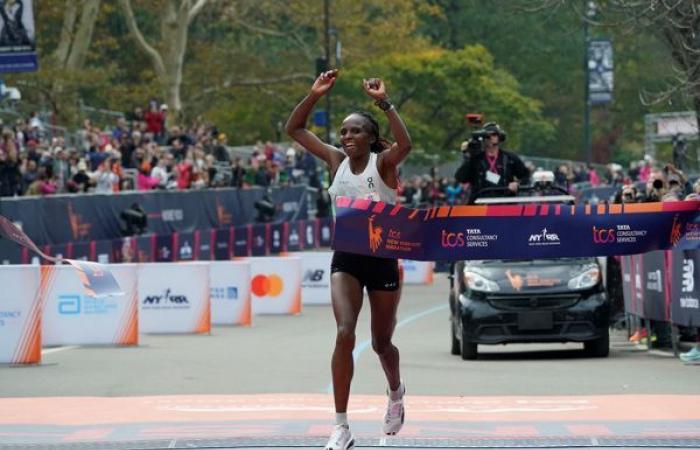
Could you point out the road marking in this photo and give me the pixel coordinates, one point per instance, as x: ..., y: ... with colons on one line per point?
x: 48, y: 351
x: 366, y: 343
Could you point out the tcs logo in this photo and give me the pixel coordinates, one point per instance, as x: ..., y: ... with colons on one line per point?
x: 452, y: 240
x: 267, y: 285
x: 603, y: 235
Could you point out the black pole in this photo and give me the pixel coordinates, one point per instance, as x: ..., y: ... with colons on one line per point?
x: 326, y: 24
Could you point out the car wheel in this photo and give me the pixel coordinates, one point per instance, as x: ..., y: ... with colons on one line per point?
x: 455, y: 349
x: 598, y: 348
x: 468, y: 349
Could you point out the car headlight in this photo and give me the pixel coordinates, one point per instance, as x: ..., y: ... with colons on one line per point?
x: 586, y: 279
x: 478, y: 282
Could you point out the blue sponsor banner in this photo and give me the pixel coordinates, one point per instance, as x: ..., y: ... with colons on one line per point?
x: 514, y: 231
x: 17, y: 37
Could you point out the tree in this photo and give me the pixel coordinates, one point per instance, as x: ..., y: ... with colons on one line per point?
x: 168, y: 55
x: 434, y: 89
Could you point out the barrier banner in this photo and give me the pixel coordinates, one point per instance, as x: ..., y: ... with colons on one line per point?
x: 514, y: 231
x: 102, y: 252
x: 277, y: 239
x: 310, y: 234
x: 242, y: 241
x: 10, y: 252
x: 417, y: 272
x: 223, y: 244
x: 165, y: 248
x: 653, y: 285
x: 293, y: 232
x: 326, y: 233
x: 73, y: 318
x: 81, y: 251
x: 259, y: 240
x: 229, y: 287
x: 23, y: 288
x: 627, y: 294
x: 685, y: 276
x: 276, y: 285
x: 146, y: 248
x: 84, y: 217
x: 205, y: 244
x: 316, y: 277
x: 185, y: 246
x: 174, y: 298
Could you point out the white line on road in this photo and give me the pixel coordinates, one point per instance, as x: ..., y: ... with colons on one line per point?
x: 48, y: 351
x: 366, y: 343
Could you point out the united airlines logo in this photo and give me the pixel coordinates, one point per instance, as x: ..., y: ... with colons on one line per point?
x: 375, y: 235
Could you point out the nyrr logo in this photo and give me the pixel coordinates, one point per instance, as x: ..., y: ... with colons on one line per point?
x: 603, y: 235
x: 267, y: 285
x: 688, y: 280
x: 544, y: 237
x: 375, y: 235
x: 165, y: 298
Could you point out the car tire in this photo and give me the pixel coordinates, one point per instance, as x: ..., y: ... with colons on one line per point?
x: 455, y: 349
x: 468, y: 349
x: 598, y: 348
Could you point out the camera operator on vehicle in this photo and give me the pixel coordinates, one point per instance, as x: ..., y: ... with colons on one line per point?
x: 487, y: 165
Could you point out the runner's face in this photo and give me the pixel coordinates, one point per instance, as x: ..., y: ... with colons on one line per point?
x: 354, y: 136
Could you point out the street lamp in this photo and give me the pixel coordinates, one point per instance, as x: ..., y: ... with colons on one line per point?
x: 590, y: 12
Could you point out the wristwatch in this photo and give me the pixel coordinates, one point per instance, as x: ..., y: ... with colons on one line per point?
x: 384, y: 104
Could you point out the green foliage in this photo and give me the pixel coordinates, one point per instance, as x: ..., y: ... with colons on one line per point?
x: 433, y: 91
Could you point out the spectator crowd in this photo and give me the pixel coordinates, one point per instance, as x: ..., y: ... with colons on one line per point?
x: 140, y: 152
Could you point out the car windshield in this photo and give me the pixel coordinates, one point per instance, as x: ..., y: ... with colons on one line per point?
x: 581, y: 260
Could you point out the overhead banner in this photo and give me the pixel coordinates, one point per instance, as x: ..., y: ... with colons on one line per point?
x: 229, y: 287
x: 73, y: 318
x: 174, y: 298
x: 17, y: 37
x: 513, y: 231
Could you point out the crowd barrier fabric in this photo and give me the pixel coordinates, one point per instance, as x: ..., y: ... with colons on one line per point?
x: 174, y: 298
x: 276, y: 284
x: 229, y: 287
x: 417, y: 272
x: 66, y: 218
x: 663, y: 286
x: 316, y: 277
x: 685, y: 288
x: 23, y: 290
x: 73, y: 318
x: 513, y: 231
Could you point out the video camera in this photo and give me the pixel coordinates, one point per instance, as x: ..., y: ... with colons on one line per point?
x: 475, y: 143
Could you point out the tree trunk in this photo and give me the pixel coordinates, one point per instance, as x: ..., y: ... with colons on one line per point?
x: 83, y: 35
x: 176, y: 18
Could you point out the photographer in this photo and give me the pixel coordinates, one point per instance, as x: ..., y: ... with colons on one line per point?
x: 487, y: 165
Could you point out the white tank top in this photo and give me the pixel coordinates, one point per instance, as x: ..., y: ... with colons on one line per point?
x: 368, y: 184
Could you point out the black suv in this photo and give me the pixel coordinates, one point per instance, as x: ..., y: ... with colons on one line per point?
x: 539, y: 300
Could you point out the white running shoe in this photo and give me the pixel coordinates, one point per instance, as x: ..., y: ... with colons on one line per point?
x: 341, y: 439
x: 393, y: 419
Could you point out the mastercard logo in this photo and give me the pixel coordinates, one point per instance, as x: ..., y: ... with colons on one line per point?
x: 267, y: 285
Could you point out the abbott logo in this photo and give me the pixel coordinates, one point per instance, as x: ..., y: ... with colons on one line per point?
x: 69, y: 304
x: 688, y: 281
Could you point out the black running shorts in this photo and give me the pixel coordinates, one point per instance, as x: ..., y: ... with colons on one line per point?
x: 376, y: 274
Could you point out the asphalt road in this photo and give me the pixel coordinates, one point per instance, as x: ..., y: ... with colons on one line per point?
x: 280, y: 354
